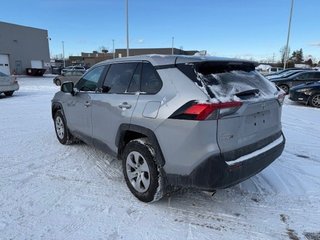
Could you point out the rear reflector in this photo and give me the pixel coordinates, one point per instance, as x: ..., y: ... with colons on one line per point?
x: 202, y: 111
x: 281, y: 97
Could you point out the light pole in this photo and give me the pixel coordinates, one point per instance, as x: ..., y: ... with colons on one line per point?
x: 127, y: 26
x: 64, y: 60
x: 49, y: 39
x: 172, y: 46
x: 288, y: 37
x: 114, y: 53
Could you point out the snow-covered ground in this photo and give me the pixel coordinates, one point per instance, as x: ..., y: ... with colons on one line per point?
x: 51, y: 191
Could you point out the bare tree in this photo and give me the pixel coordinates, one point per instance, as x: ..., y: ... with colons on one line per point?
x: 284, y: 53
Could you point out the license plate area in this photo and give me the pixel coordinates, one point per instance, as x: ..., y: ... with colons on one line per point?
x: 259, y: 121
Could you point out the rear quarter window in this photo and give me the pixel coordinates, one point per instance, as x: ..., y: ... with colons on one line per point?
x: 150, y: 80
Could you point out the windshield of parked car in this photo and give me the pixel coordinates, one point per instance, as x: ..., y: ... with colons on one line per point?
x: 289, y: 73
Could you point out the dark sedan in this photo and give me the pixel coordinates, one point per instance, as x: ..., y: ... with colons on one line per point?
x: 296, y: 79
x: 308, y: 93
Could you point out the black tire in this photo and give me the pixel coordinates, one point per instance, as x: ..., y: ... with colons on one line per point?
x: 61, y: 129
x: 9, y: 94
x: 58, y: 82
x: 315, y: 100
x: 154, y: 175
x: 285, y: 88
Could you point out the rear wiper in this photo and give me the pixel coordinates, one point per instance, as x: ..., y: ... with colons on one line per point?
x: 248, y: 93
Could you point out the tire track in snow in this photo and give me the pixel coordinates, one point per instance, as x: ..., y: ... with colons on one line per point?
x: 104, y: 164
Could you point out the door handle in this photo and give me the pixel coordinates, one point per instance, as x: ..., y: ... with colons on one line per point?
x: 87, y: 104
x: 125, y: 105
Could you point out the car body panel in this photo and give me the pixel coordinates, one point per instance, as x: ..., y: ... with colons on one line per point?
x: 74, y: 107
x: 108, y: 113
x: 253, y: 122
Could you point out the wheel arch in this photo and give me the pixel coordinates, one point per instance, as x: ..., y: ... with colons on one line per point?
x: 56, y: 81
x: 55, y: 107
x: 284, y: 84
x: 128, y: 132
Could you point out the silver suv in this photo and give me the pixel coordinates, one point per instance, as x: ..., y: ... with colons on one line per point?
x: 175, y: 121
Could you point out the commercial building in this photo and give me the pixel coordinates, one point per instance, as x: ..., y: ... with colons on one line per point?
x: 89, y: 59
x: 23, y: 47
x: 143, y: 51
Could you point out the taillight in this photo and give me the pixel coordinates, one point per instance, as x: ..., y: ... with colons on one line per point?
x: 281, y: 97
x: 203, y: 111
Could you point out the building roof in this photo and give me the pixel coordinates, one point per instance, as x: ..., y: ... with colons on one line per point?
x: 21, y: 26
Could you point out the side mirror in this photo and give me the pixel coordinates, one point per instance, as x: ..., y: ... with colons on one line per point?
x: 67, y: 87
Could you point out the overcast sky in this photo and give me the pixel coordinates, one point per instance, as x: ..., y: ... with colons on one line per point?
x: 231, y: 28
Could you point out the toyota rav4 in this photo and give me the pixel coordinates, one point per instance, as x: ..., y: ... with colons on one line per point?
x: 175, y: 121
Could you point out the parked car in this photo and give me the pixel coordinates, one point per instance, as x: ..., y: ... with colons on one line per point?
x: 296, y: 79
x: 282, y: 72
x: 283, y: 75
x: 308, y: 93
x: 71, y: 75
x: 8, y: 84
x: 73, y: 68
x: 193, y: 121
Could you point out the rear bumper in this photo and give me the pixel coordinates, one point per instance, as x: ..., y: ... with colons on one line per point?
x: 9, y: 88
x: 214, y: 173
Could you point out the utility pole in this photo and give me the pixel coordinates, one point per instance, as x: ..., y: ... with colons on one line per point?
x: 286, y: 55
x: 114, y: 53
x: 64, y: 60
x: 273, y: 58
x: 172, y: 51
x: 127, y: 25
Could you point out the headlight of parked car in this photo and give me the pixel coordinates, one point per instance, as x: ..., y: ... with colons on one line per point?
x: 306, y: 91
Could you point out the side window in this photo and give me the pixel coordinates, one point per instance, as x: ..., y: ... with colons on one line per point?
x: 317, y: 75
x: 119, y: 77
x: 135, y: 81
x: 77, y: 73
x: 68, y: 74
x: 89, y: 82
x: 304, y: 76
x: 150, y: 80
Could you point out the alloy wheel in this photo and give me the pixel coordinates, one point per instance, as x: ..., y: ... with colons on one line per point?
x: 59, y: 127
x: 138, y: 171
x: 316, y: 100
x: 284, y: 88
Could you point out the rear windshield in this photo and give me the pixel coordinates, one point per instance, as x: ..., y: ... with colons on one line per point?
x: 229, y: 81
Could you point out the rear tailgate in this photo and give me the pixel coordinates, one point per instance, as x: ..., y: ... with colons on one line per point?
x: 255, y: 125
